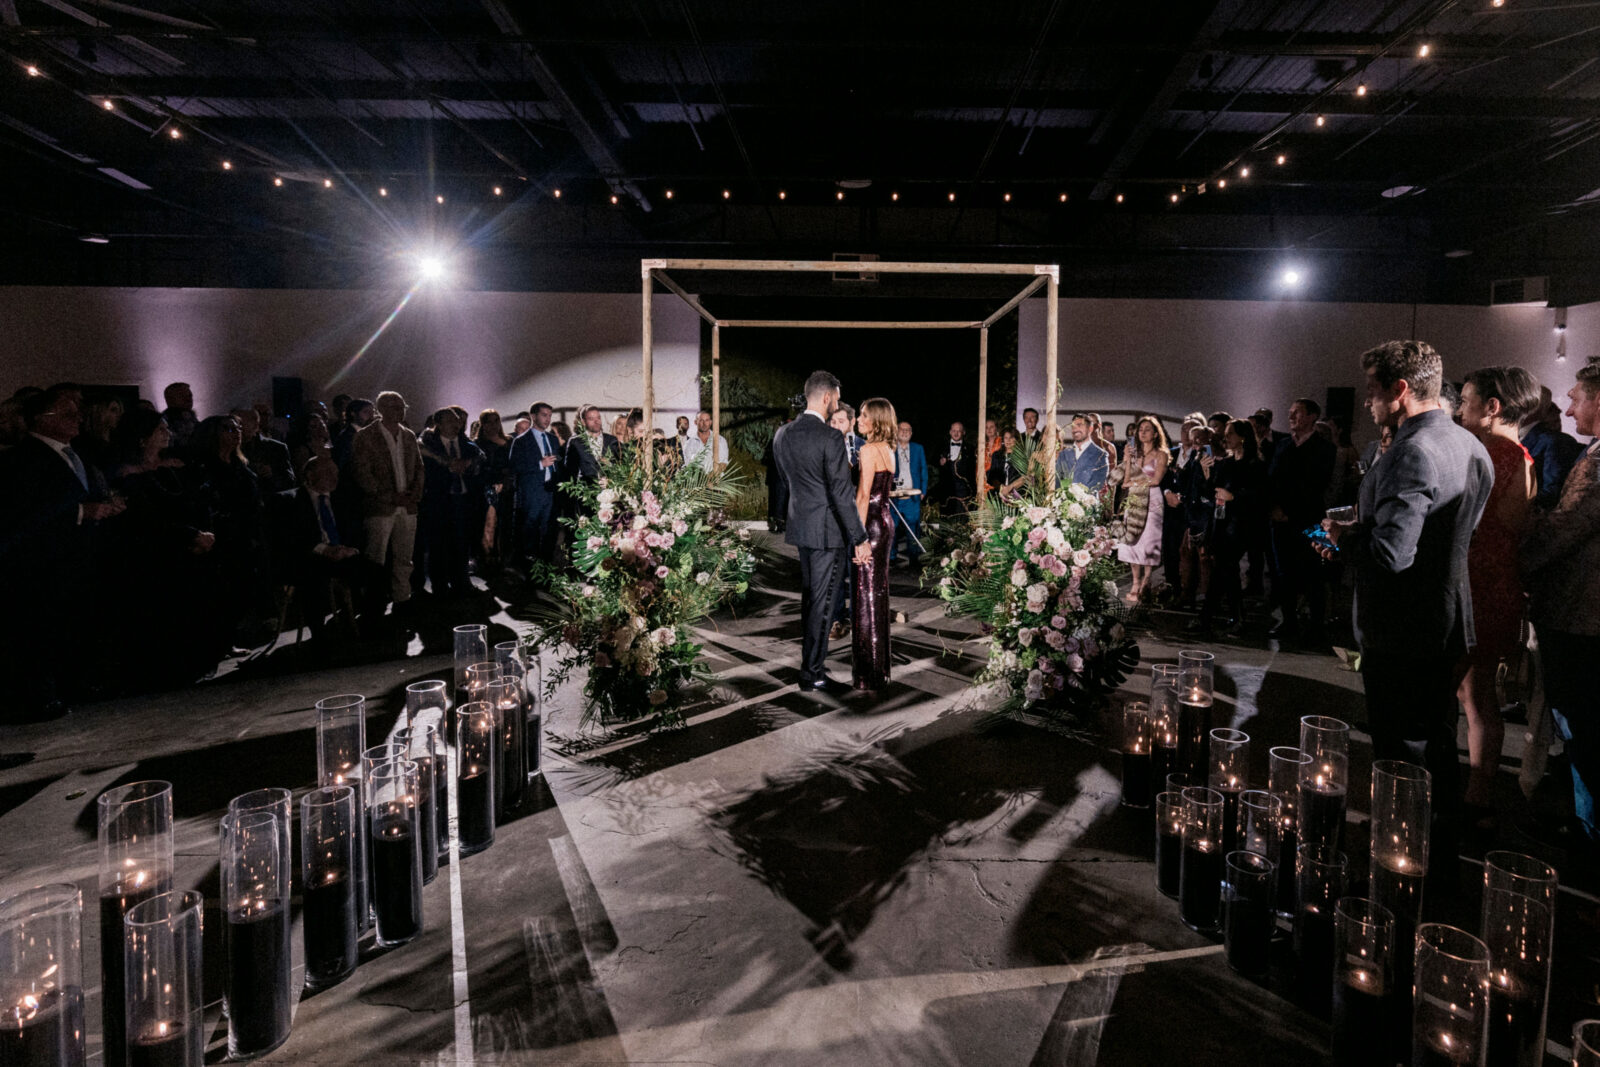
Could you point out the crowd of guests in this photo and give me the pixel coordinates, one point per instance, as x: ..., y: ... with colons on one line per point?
x: 150, y: 544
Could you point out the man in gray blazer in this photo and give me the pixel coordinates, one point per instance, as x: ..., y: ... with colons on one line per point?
x: 1418, y: 507
x: 1082, y: 460
x: 822, y: 519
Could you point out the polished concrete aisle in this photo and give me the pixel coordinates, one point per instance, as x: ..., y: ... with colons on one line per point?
x: 789, y: 880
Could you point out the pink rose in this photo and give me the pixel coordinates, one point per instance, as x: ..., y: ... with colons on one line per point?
x: 662, y: 572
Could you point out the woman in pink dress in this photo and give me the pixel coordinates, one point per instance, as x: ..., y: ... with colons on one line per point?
x: 1493, y: 402
x: 1144, y: 462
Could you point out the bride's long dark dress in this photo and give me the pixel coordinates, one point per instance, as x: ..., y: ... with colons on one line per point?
x: 870, y: 638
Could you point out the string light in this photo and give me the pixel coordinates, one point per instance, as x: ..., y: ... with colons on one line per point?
x: 1322, y: 120
x: 615, y: 199
x: 727, y: 194
x: 668, y: 194
x: 439, y: 199
x: 497, y: 190
x: 839, y: 195
x: 1422, y: 53
x: 952, y: 198
x: 382, y: 191
x: 782, y: 195
x: 278, y: 182
x: 1007, y: 198
x: 226, y: 165
x: 556, y: 193
x: 327, y: 183
x: 1222, y: 183
x: 1361, y: 90
x: 1244, y: 172
x: 894, y: 196
x: 33, y: 71
x: 1282, y: 159
x: 1119, y: 198
x: 107, y: 104
x: 1063, y: 198
x: 1497, y: 3
x: 1174, y: 198
x: 174, y: 133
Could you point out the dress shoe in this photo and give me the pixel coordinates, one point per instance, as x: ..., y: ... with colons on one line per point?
x: 824, y: 685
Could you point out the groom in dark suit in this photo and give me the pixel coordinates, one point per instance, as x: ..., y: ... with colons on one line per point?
x: 1418, y: 507
x: 822, y: 521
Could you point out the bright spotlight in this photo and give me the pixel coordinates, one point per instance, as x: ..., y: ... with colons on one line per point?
x: 1291, y: 278
x: 432, y: 268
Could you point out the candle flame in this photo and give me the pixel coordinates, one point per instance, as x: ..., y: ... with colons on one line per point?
x: 161, y: 1029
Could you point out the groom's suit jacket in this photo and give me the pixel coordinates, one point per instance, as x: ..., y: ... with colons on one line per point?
x: 822, y: 502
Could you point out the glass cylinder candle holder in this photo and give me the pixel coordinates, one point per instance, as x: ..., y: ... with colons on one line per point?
x: 1401, y: 817
x: 341, y: 738
x: 423, y: 747
x: 1365, y: 1004
x: 509, y: 655
x: 1320, y: 877
x: 471, y: 646
x: 1283, y: 781
x: 394, y: 812
x: 1169, y: 842
x: 517, y: 662
x: 1163, y: 724
x: 1178, y: 781
x: 1248, y: 918
x: 477, y: 752
x: 1586, y: 1043
x: 328, y: 842
x: 429, y: 695
x: 480, y: 675
x: 511, y: 775
x: 1324, y: 781
x: 1200, y: 869
x: 1195, y: 693
x: 135, y: 832
x: 1450, y: 1010
x: 1228, y: 767
x: 1518, y: 926
x: 1261, y: 824
x: 165, y: 1005
x: 1136, y: 754
x: 41, y: 978
x: 255, y: 905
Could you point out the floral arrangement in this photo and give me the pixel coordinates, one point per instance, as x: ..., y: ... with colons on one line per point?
x: 1039, y: 572
x: 652, y: 555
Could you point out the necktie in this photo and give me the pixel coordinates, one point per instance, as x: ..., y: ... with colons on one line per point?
x: 544, y: 450
x: 77, y: 465
x: 325, y: 515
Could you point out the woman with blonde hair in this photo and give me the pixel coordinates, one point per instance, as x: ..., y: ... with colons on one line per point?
x: 1144, y: 462
x: 870, y: 639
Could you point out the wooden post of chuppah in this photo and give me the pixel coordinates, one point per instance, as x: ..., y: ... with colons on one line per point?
x: 981, y: 448
x: 648, y: 409
x: 1051, y: 385
x: 716, y: 394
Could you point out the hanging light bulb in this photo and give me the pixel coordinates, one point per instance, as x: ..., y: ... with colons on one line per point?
x: 614, y: 199
x: 33, y: 71
x: 727, y: 194
x: 1174, y: 198
x: 382, y: 191
x: 439, y: 199
x: 1422, y: 53
x: 1119, y: 198
x: 174, y: 133
x: 1361, y: 90
x: 782, y: 195
x: 1322, y: 120
x: 556, y: 193
x: 226, y: 165
x: 839, y: 195
x: 1007, y: 198
x: 278, y: 182
x: 1282, y: 159
x: 952, y: 198
x: 1063, y: 198
x: 894, y: 196
x: 497, y: 190
x: 1222, y: 183
x: 1244, y: 172
x: 327, y: 183
x: 668, y: 194
x: 108, y: 105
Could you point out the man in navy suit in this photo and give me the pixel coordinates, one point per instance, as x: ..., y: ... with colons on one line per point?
x: 1082, y: 461
x: 843, y: 419
x: 51, y: 504
x: 910, y: 486
x: 823, y: 523
x: 536, y: 463
x: 1408, y: 549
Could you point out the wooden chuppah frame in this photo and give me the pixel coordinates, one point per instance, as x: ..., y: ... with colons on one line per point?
x: 655, y: 270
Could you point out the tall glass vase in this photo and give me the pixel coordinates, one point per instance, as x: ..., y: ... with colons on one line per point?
x: 1196, y: 687
x: 1283, y: 781
x: 423, y: 747
x: 135, y: 830
x: 471, y: 646
x: 1518, y: 927
x: 1324, y: 781
x: 165, y: 1002
x: 41, y: 978
x: 511, y: 775
x: 1136, y: 755
x: 255, y: 905
x: 394, y: 814
x: 1450, y: 1012
x: 477, y: 753
x: 341, y: 738
x: 1228, y: 768
x: 1401, y: 815
x: 329, y: 837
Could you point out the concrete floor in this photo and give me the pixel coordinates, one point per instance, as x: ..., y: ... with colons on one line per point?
x: 873, y: 880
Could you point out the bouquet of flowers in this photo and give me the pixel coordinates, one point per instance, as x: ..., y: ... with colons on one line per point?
x: 652, y: 555
x: 1038, y: 572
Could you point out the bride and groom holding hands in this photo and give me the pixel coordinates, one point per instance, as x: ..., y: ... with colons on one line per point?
x: 832, y: 522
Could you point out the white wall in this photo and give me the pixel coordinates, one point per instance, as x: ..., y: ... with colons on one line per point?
x: 1176, y: 356
x: 477, y: 349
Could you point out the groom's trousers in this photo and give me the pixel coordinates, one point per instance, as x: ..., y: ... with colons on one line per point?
x: 819, y: 585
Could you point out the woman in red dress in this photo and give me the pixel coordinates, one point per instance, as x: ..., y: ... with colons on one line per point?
x: 1493, y: 402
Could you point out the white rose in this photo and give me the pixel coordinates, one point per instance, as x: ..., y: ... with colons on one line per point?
x: 589, y: 591
x: 607, y: 497
x: 1075, y: 511
x: 1082, y: 558
x: 1025, y: 637
x: 605, y: 514
x: 1019, y: 577
x: 662, y: 636
x: 640, y: 522
x: 702, y: 578
x: 1037, y: 515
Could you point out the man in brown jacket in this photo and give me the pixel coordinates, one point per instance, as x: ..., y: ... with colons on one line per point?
x: 1561, y: 568
x: 388, y: 469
